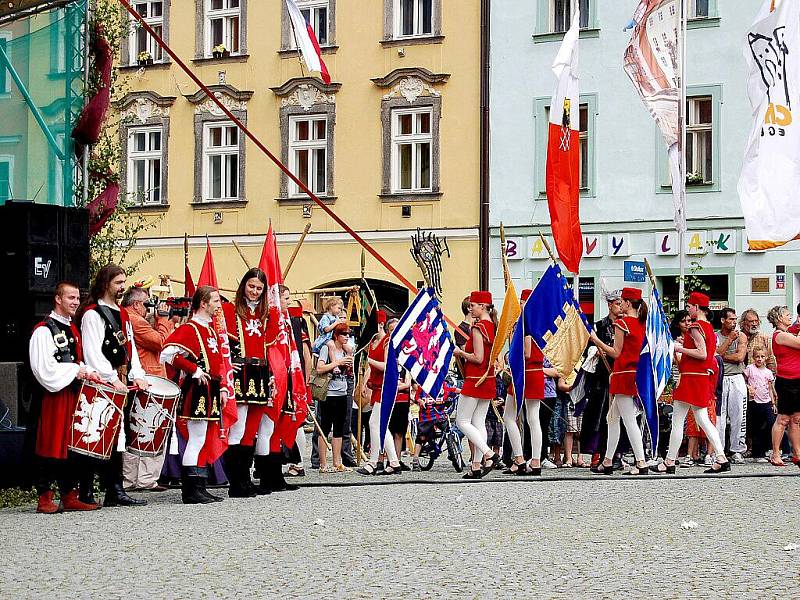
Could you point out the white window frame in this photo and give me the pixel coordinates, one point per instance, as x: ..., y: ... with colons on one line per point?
x: 225, y: 14
x: 415, y: 139
x: 312, y: 7
x: 310, y: 145
x: 698, y: 148
x: 152, y: 47
x: 418, y: 25
x: 8, y: 158
x: 224, y: 151
x: 148, y: 156
x: 6, y: 90
x: 568, y: 3
x: 693, y: 10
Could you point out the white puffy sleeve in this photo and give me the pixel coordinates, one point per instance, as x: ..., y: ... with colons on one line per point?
x: 51, y: 374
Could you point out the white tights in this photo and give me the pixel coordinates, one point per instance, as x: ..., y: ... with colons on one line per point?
x: 300, y: 440
x: 532, y: 410
x: 623, y: 407
x: 265, y: 429
x: 471, y: 420
x: 510, y: 423
x: 236, y: 432
x: 375, y: 435
x: 197, y: 437
x: 679, y: 412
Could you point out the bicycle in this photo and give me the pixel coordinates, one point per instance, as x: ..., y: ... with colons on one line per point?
x: 446, y: 436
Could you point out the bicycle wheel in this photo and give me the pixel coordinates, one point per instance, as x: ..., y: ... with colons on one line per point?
x: 454, y: 452
x: 427, y: 456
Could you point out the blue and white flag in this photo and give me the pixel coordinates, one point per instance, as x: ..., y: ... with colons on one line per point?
x: 421, y: 344
x: 655, y: 364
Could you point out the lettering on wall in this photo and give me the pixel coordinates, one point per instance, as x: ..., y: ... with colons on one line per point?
x: 619, y: 244
x: 592, y: 246
x: 515, y: 248
x: 666, y: 243
x: 696, y: 242
x: 723, y: 241
x: 537, y: 250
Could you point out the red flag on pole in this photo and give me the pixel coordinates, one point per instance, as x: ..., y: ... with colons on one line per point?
x: 282, y: 354
x: 208, y: 274
x: 563, y: 153
x: 188, y: 286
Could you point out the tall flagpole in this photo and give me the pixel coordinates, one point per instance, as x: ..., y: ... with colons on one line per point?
x: 682, y: 149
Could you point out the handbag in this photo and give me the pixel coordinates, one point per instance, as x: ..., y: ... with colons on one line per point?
x: 319, y: 385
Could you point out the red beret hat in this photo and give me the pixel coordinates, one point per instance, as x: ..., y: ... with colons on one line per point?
x: 700, y: 299
x: 481, y: 297
x: 630, y: 293
x: 295, y: 311
x: 381, y: 315
x: 525, y: 295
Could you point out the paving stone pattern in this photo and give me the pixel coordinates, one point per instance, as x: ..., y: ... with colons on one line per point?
x: 427, y: 535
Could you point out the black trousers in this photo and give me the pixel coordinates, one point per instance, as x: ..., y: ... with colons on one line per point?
x: 76, y: 471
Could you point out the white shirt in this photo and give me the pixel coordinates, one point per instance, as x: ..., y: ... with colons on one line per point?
x: 51, y: 374
x: 93, y: 332
x: 171, y: 351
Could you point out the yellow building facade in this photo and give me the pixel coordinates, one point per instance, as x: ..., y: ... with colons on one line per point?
x: 391, y: 145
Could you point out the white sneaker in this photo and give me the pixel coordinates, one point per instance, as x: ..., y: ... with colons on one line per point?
x: 548, y: 464
x: 737, y: 459
x: 762, y: 460
x: 709, y: 459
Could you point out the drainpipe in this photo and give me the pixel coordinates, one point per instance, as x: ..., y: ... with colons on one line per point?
x: 483, y: 225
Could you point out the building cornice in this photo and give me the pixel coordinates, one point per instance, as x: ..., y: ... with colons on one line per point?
x: 399, y: 236
x: 146, y: 95
x: 219, y: 90
x: 304, y: 83
x: 418, y: 72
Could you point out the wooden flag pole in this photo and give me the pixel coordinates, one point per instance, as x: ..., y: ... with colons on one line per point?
x: 241, y: 254
x: 507, y: 280
x: 296, y: 250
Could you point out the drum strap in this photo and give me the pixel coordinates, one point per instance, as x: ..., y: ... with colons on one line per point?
x: 62, y: 353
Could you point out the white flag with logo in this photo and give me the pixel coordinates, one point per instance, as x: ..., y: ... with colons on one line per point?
x: 769, y: 185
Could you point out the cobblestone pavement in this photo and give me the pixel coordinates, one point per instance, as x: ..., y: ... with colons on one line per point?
x: 427, y: 535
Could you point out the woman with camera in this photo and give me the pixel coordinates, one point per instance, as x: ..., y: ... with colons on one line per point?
x: 336, y: 359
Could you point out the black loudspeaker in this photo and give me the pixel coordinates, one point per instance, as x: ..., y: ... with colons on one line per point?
x: 40, y: 245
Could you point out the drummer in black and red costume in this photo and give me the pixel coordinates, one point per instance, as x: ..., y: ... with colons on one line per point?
x: 109, y: 349
x: 57, y: 364
x: 246, y: 320
x: 193, y: 356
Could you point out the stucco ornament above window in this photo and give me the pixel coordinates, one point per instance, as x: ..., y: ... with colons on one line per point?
x: 411, y: 83
x: 143, y: 106
x: 231, y: 98
x: 306, y: 92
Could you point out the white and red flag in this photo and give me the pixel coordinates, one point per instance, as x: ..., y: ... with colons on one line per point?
x: 769, y: 185
x: 307, y: 42
x: 652, y: 61
x: 289, y: 389
x: 563, y: 153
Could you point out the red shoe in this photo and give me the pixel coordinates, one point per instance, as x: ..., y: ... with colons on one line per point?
x: 71, y: 502
x: 46, y: 504
x: 595, y: 460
